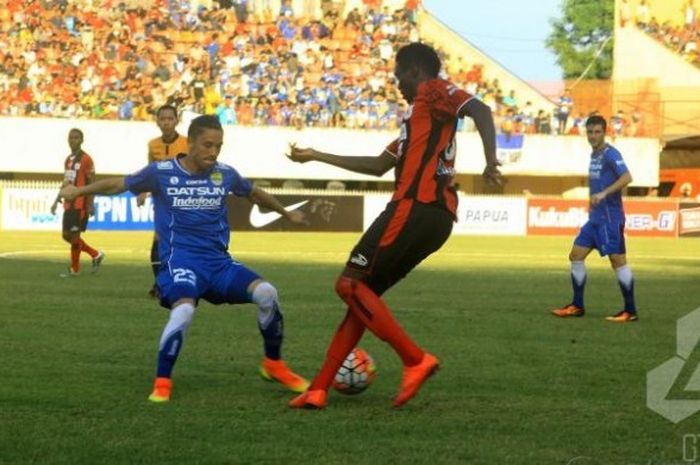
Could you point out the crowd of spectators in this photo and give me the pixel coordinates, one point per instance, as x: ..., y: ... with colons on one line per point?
x: 682, y: 36
x: 324, y: 63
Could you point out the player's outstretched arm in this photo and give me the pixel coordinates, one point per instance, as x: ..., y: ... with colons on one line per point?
x: 483, y: 120
x: 375, y: 166
x: 262, y: 198
x: 108, y: 186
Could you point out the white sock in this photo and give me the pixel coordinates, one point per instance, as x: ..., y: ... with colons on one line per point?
x: 265, y: 297
x: 180, y: 319
x: 578, y: 271
x: 624, y: 276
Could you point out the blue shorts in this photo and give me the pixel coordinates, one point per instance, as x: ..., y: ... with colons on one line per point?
x: 606, y: 238
x: 215, y: 280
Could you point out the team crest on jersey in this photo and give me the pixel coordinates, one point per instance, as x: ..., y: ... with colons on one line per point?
x: 217, y: 178
x: 174, y: 180
x: 164, y: 165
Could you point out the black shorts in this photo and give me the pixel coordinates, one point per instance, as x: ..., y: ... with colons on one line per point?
x: 75, y: 221
x: 401, y: 237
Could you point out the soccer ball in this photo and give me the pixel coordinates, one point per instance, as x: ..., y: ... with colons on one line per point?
x: 356, y: 373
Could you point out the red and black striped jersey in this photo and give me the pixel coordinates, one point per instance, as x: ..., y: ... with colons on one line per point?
x: 426, y: 148
x: 77, y: 171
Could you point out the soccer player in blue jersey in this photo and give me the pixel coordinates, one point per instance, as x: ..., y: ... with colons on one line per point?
x: 189, y: 196
x: 604, y: 231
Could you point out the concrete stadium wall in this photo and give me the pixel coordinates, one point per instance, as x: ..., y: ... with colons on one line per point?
x: 36, y: 145
x: 638, y: 55
x: 591, y: 95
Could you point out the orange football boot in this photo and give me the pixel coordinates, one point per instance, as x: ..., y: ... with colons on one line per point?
x: 568, y: 310
x: 623, y: 317
x: 414, y: 377
x: 314, y: 400
x: 277, y: 370
x: 161, y: 390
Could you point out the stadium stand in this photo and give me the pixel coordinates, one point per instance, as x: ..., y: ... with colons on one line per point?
x: 321, y: 63
x: 656, y: 72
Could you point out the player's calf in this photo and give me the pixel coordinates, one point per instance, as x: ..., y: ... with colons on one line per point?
x: 271, y: 326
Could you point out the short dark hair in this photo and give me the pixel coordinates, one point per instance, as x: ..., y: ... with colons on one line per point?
x: 597, y: 120
x: 200, y: 123
x: 164, y: 108
x: 82, y: 136
x: 421, y: 55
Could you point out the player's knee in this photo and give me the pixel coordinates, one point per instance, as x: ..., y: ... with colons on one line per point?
x: 265, y: 296
x: 345, y: 287
x: 182, y: 314
x: 616, y: 261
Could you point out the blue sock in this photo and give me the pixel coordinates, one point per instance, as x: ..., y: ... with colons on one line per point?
x: 167, y: 355
x: 626, y: 281
x: 273, y: 334
x: 578, y: 282
x: 270, y: 319
x: 173, y: 337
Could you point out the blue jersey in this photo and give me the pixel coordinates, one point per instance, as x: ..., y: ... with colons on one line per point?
x: 605, y: 168
x: 190, y: 209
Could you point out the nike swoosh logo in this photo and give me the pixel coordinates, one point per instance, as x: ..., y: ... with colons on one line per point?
x: 259, y: 219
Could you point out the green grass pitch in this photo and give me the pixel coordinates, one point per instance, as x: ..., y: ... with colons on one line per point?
x: 517, y: 386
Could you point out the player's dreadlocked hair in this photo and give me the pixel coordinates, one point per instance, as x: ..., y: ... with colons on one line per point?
x: 200, y: 123
x: 420, y: 55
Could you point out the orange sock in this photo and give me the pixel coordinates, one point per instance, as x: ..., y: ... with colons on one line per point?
x: 84, y: 247
x: 375, y: 314
x: 345, y: 339
x: 75, y: 256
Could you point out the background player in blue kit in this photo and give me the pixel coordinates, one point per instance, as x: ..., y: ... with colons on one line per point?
x: 604, y: 231
x: 189, y: 197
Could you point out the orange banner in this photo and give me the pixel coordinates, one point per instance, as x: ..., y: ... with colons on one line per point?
x: 555, y: 216
x: 650, y: 218
x: 566, y: 216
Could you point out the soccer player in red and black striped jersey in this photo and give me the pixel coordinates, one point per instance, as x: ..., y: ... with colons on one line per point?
x: 416, y: 222
x: 79, y: 170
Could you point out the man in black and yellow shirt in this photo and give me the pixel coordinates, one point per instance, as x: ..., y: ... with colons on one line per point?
x: 165, y: 147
